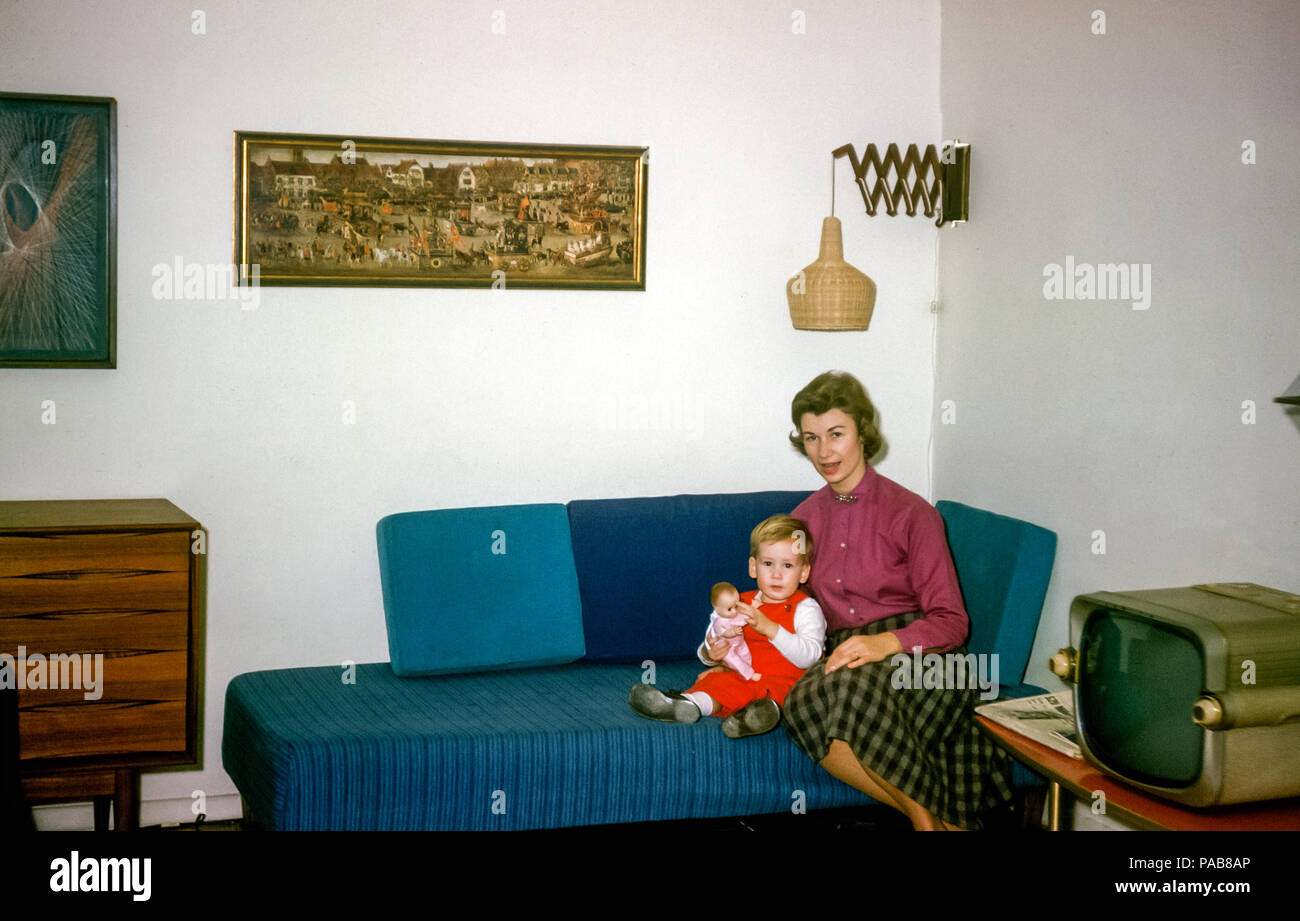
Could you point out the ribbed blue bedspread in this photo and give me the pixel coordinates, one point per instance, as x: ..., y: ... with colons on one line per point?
x: 505, y: 750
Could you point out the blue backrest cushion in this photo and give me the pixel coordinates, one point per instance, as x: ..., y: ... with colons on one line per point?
x: 645, y: 566
x: 479, y: 588
x: 1003, y: 565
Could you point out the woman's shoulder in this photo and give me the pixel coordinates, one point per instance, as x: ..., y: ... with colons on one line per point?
x: 899, y: 497
x: 815, y: 501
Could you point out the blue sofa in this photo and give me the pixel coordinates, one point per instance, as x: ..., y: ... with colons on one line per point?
x: 515, y: 633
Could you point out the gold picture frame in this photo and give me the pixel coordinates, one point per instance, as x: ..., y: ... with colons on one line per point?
x: 336, y: 210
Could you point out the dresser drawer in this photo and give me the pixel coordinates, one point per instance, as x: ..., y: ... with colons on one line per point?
x: 119, y: 603
x: 88, y: 630
x: 56, y: 554
x: 111, y: 593
x: 137, y: 706
x: 101, y: 630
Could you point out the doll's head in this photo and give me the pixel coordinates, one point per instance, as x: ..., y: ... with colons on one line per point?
x: 724, y: 597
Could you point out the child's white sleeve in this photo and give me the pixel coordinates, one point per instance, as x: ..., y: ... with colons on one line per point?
x: 803, y: 647
x: 709, y: 634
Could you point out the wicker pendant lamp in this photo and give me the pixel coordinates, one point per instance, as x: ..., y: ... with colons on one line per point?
x: 830, y: 294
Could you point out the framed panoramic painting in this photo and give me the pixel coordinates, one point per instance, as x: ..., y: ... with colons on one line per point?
x: 58, y: 218
x: 333, y: 210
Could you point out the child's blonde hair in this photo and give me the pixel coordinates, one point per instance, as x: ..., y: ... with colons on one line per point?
x: 782, y: 527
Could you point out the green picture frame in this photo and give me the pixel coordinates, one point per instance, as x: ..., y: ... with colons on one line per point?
x: 58, y: 231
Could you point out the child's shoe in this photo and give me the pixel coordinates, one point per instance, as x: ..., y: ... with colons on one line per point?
x: 648, y: 701
x: 753, y: 719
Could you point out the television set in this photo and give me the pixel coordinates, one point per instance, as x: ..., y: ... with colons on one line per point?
x: 1191, y: 694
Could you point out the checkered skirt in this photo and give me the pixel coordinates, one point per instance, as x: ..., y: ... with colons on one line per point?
x: 923, y: 741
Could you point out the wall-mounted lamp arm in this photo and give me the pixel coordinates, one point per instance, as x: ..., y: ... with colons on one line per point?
x: 937, y: 180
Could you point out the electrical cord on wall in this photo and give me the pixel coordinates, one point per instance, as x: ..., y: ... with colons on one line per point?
x: 934, y: 374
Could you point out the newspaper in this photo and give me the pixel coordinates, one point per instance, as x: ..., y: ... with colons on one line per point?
x: 1047, y: 719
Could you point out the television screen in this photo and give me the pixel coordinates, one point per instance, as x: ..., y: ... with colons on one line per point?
x: 1138, y: 682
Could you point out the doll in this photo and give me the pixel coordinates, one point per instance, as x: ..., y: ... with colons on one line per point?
x: 724, y: 597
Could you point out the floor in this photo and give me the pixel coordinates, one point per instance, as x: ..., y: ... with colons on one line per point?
x: 858, y: 819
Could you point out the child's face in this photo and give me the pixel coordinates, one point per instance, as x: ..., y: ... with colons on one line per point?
x: 778, y: 570
x: 726, y: 606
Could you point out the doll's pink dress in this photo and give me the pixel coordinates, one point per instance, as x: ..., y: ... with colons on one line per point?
x: 738, y: 656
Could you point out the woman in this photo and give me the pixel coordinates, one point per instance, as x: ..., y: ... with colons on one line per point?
x: 885, y: 580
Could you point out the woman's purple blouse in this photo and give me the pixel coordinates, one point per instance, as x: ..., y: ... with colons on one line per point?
x: 884, y: 553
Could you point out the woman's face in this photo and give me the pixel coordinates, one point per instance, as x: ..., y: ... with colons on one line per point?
x: 834, y: 446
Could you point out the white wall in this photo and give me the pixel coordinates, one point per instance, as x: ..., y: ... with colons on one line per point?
x: 1086, y: 415
x: 466, y: 397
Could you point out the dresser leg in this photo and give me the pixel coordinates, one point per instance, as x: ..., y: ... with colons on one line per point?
x: 101, y: 812
x: 126, y: 801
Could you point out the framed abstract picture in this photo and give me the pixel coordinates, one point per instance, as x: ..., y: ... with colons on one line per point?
x: 58, y: 226
x: 335, y: 210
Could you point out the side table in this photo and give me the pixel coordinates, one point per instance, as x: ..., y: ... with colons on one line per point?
x: 1071, y: 777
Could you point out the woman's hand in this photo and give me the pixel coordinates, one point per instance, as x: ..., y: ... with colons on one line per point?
x: 863, y: 649
x: 762, y: 624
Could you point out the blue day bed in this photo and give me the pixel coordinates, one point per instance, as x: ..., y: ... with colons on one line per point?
x: 515, y: 633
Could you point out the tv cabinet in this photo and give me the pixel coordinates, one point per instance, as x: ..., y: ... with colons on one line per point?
x: 117, y: 579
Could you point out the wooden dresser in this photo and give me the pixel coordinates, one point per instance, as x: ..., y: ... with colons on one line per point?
x: 101, y: 632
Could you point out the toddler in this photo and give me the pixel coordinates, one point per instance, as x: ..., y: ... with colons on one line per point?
x: 783, y: 630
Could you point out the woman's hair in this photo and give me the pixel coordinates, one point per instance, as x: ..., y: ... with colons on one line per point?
x: 842, y: 391
x: 782, y: 527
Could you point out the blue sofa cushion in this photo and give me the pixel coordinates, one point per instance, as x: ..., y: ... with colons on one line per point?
x: 1003, y: 565
x: 479, y: 588
x: 497, y: 750
x: 645, y: 567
